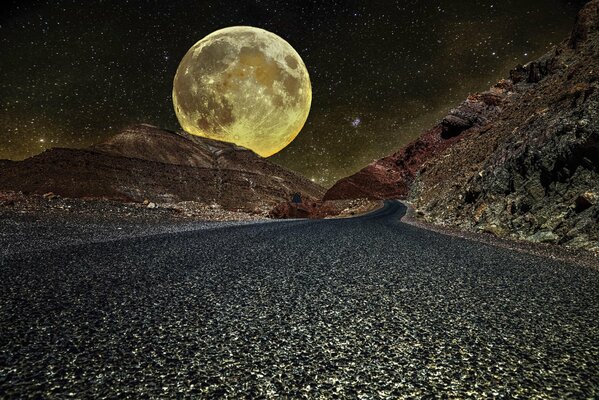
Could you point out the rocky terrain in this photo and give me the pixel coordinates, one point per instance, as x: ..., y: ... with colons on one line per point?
x: 392, y: 176
x: 324, y: 209
x: 520, y: 160
x: 145, y: 163
x: 16, y: 205
x: 34, y: 222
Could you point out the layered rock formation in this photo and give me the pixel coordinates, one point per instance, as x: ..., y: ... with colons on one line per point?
x: 520, y: 160
x: 145, y: 162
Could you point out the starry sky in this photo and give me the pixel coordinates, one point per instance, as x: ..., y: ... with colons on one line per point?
x: 74, y: 72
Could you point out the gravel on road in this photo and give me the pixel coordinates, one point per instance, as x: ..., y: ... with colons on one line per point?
x: 365, y: 307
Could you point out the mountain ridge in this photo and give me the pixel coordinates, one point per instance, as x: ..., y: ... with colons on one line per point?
x: 144, y: 162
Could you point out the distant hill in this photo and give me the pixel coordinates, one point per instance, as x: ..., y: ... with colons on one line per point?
x: 146, y: 162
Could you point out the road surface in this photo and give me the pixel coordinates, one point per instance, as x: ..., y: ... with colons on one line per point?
x: 366, y: 307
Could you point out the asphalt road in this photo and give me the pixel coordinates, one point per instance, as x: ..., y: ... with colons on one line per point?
x: 366, y: 307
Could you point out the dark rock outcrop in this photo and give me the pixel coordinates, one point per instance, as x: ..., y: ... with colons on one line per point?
x: 145, y: 162
x: 392, y: 176
x: 534, y: 174
x: 586, y: 26
x: 521, y: 161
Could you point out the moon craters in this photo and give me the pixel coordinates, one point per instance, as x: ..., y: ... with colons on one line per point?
x: 243, y: 85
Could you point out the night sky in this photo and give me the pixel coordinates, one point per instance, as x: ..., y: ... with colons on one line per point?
x: 74, y: 72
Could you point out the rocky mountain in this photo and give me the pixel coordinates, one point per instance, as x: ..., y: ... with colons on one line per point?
x: 147, y: 163
x: 520, y: 160
x: 392, y: 176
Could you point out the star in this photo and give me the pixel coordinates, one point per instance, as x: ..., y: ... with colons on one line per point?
x: 402, y: 64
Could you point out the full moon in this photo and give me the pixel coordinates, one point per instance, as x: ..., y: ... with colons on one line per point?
x: 243, y: 85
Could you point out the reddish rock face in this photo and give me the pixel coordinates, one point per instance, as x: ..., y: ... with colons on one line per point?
x: 145, y: 162
x: 392, y: 176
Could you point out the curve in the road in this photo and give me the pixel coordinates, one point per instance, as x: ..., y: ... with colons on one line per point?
x: 363, y: 307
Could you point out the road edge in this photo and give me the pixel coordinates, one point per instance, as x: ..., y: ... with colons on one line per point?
x: 553, y: 252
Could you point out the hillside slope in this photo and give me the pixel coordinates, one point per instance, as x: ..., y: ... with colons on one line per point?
x: 145, y: 162
x: 520, y: 160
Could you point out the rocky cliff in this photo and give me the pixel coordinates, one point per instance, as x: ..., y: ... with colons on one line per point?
x: 520, y: 160
x: 148, y: 163
x: 392, y: 176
